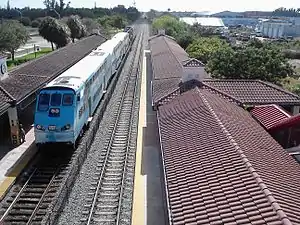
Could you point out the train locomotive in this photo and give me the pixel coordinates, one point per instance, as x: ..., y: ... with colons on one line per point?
x: 66, y: 104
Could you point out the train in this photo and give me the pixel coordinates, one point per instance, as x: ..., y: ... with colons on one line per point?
x: 66, y: 105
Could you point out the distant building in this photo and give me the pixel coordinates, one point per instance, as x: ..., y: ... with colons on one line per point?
x: 278, y: 28
x: 204, y: 21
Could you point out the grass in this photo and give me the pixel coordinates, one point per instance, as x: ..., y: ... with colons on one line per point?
x: 27, y: 58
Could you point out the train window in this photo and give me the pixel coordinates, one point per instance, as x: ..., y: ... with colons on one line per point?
x: 43, y: 104
x: 55, y: 99
x: 68, y: 99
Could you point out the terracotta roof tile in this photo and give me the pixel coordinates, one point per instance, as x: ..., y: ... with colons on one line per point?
x: 254, y: 92
x: 162, y: 88
x: 167, y: 57
x: 5, y: 99
x: 218, y: 170
x: 269, y: 115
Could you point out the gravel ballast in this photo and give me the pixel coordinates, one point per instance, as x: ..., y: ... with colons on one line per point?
x: 72, y: 213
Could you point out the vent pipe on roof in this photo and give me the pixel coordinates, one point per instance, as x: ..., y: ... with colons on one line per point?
x: 3, y: 68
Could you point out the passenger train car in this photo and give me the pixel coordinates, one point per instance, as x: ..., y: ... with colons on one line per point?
x: 67, y: 103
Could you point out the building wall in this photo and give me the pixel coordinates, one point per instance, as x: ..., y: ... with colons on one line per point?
x: 278, y: 30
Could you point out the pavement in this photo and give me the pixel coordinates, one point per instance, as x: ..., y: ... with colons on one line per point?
x: 148, y: 200
x: 12, y: 164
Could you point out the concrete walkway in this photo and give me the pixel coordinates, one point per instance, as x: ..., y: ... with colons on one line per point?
x: 14, y: 162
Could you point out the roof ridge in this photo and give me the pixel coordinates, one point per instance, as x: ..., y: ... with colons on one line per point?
x: 271, y: 199
x: 7, y: 93
x: 221, y: 92
x: 166, y: 96
x: 173, y: 53
x: 277, y: 88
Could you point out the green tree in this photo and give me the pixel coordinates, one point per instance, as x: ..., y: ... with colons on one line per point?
x: 249, y: 63
x: 77, y: 28
x: 12, y: 36
x: 26, y: 21
x: 202, y: 48
x: 35, y: 23
x: 55, y: 32
x: 116, y: 21
x: 172, y: 26
x: 133, y: 14
x: 202, y: 30
x: 91, y: 25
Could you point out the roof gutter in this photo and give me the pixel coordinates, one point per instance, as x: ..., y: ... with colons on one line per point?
x: 164, y: 172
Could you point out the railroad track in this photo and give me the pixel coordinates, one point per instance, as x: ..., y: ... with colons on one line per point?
x: 107, y: 192
x: 30, y: 197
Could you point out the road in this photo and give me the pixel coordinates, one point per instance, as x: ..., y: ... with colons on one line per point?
x: 29, y: 46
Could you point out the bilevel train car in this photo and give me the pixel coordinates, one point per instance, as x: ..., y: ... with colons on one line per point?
x: 67, y: 103
x: 118, y: 45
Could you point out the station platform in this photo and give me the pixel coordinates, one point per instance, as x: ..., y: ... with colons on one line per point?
x: 14, y: 162
x: 148, y: 196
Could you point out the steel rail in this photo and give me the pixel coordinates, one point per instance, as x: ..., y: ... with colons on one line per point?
x: 110, y: 144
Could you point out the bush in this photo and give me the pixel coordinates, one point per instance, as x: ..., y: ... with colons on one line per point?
x: 35, y: 23
x: 25, y: 21
x: 291, y: 54
x: 17, y: 62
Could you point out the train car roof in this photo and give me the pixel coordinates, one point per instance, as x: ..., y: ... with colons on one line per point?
x: 75, y: 76
x: 107, y: 46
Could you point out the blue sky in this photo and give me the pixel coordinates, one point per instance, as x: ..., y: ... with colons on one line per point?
x: 188, y: 5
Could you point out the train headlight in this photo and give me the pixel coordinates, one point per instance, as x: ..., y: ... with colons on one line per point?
x: 39, y: 127
x: 66, y: 127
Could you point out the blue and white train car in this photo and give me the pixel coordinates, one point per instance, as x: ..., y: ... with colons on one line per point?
x: 65, y: 105
x: 118, y: 46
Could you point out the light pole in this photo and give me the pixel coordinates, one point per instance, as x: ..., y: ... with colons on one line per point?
x: 56, y: 13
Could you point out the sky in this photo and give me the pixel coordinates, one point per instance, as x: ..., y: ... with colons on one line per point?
x: 176, y: 5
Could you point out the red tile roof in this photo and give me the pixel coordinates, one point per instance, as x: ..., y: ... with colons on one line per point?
x: 254, y: 92
x: 162, y: 88
x: 269, y: 115
x: 222, y: 167
x: 167, y: 57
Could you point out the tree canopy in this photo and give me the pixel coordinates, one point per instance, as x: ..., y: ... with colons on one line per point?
x: 55, y: 32
x: 203, y: 48
x: 264, y: 63
x: 287, y: 12
x: 12, y: 36
x: 64, y: 8
x: 77, y: 28
x: 171, y: 25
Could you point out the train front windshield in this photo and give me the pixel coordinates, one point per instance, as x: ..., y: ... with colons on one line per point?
x: 54, y: 100
x: 55, y: 114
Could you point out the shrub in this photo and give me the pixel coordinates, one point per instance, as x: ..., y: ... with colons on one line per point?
x: 25, y: 21
x: 35, y: 23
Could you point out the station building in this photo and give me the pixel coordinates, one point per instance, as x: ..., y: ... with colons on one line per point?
x: 221, y: 165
